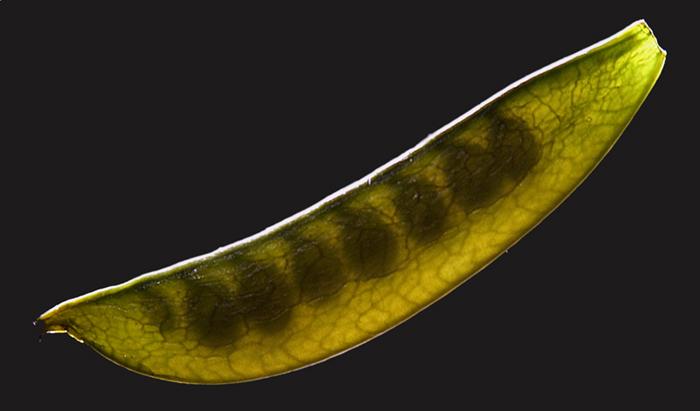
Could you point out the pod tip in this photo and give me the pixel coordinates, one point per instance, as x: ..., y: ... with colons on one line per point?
x: 645, y: 26
x: 47, y: 324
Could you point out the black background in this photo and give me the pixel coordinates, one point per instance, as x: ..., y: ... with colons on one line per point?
x: 135, y: 137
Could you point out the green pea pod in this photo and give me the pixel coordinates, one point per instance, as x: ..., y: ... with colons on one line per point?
x: 375, y: 253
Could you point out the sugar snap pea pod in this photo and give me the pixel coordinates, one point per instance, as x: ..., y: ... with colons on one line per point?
x: 373, y: 254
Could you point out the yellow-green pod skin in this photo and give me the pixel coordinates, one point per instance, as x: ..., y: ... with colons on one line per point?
x: 372, y: 255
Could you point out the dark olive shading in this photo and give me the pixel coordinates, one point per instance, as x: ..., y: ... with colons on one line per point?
x: 213, y: 312
x: 219, y: 314
x: 153, y: 306
x: 369, y: 244
x: 317, y: 268
x: 264, y: 296
x: 158, y: 308
x: 478, y: 176
x: 420, y: 208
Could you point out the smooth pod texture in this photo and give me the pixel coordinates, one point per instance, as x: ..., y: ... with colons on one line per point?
x: 368, y: 257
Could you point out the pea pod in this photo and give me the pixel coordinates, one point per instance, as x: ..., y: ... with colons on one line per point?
x: 375, y: 253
